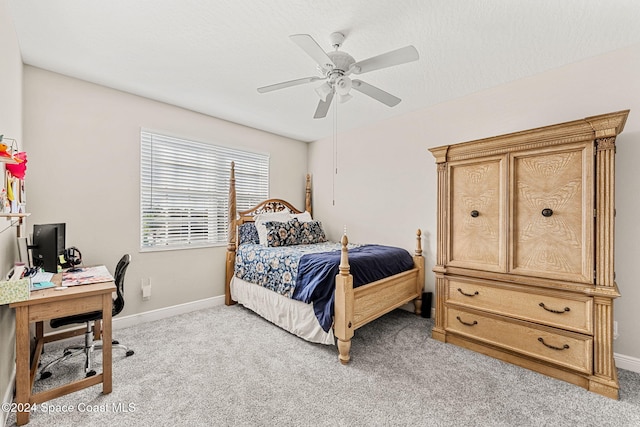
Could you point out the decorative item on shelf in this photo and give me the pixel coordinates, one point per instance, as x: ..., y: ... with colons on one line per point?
x: 13, y: 200
x: 19, y: 169
x: 7, y: 152
x: 13, y: 189
x: 5, y: 207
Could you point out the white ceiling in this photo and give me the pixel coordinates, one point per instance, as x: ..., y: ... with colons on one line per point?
x: 211, y: 55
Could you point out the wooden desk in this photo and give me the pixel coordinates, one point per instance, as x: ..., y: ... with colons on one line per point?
x: 47, y: 304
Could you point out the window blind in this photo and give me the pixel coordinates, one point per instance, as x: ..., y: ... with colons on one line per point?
x: 184, y: 187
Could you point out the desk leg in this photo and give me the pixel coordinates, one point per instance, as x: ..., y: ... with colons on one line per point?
x: 39, y: 330
x: 107, y: 354
x: 23, y: 362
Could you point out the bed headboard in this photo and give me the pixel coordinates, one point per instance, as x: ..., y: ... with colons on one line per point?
x: 269, y: 205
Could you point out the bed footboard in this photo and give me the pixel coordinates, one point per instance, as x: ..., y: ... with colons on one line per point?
x: 357, y: 307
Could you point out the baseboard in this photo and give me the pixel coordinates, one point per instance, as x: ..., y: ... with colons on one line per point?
x: 120, y: 322
x: 627, y: 362
x: 8, y: 397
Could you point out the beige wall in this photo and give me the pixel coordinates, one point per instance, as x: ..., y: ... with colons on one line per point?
x: 386, y: 182
x: 10, y: 126
x: 84, y: 165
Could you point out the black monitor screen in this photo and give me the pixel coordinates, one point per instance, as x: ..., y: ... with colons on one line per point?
x: 48, y: 245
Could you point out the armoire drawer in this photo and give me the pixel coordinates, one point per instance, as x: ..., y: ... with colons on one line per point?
x: 552, y: 308
x: 563, y: 348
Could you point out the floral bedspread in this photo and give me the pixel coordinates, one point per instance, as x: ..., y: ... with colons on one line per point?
x: 276, y: 268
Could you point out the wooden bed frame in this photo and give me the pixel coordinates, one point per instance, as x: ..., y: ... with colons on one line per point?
x: 354, y: 307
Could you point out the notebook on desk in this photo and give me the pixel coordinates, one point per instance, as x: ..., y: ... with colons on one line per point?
x: 41, y: 276
x: 86, y: 276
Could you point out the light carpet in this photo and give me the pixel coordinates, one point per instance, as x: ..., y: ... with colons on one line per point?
x: 227, y: 366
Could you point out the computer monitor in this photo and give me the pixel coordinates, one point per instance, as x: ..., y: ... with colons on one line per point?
x: 47, y: 246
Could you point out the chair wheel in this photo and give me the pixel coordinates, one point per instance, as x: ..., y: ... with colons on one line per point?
x: 90, y: 373
x: 129, y: 353
x: 115, y: 342
x: 45, y: 375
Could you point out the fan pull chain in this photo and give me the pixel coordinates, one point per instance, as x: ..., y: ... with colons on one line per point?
x: 335, y: 147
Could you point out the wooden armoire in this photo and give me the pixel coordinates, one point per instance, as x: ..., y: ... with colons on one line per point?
x: 525, y: 260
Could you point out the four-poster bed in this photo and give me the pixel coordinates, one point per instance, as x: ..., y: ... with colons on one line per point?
x: 353, y: 305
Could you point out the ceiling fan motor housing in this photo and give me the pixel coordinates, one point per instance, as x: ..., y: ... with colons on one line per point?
x: 342, y: 61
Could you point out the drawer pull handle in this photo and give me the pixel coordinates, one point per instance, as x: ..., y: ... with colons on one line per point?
x: 564, y: 347
x: 566, y: 309
x: 546, y: 212
x: 475, y: 322
x: 475, y: 213
x: 468, y: 295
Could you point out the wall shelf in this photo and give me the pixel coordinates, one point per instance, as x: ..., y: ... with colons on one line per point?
x: 17, y: 221
x: 14, y: 215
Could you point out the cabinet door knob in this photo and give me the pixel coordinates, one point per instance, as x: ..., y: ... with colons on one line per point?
x: 547, y: 212
x: 474, y: 213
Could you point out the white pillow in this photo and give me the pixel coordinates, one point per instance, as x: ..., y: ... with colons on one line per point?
x: 282, y: 216
x: 302, y: 217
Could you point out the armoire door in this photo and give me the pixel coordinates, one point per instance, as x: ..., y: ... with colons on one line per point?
x: 476, y: 237
x: 552, y: 212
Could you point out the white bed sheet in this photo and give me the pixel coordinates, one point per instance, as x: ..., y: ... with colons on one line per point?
x: 289, y: 314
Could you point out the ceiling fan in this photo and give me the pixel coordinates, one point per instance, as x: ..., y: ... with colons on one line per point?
x: 337, y: 66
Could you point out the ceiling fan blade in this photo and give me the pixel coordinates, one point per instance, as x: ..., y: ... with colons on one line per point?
x: 313, y: 49
x: 323, y: 107
x: 290, y: 83
x: 375, y: 93
x: 389, y: 59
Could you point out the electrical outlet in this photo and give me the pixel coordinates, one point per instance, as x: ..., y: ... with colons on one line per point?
x: 615, y: 330
x: 145, y: 284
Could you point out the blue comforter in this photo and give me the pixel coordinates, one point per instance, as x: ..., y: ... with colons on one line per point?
x: 368, y: 263
x: 307, y: 272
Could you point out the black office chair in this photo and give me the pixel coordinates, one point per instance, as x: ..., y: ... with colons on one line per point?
x: 90, y: 318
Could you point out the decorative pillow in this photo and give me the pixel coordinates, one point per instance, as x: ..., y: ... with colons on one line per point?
x: 248, y: 233
x: 302, y: 217
x: 294, y: 232
x: 282, y: 216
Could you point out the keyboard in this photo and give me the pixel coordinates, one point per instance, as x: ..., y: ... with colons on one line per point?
x: 41, y: 276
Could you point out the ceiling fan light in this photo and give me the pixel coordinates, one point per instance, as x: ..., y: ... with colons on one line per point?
x: 323, y: 91
x: 343, y: 85
x: 344, y: 98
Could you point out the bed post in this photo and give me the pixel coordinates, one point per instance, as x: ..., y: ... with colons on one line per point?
x: 307, y: 195
x: 344, y: 300
x: 418, y: 262
x: 231, y: 245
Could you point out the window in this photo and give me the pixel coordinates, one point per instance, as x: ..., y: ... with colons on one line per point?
x: 184, y: 188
